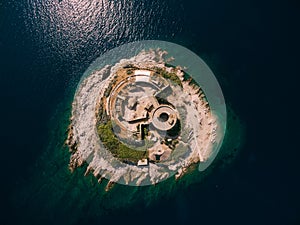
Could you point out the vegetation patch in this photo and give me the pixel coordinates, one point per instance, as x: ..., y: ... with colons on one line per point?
x: 169, y: 76
x: 116, y: 147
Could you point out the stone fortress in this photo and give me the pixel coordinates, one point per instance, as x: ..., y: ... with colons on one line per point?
x: 138, y: 115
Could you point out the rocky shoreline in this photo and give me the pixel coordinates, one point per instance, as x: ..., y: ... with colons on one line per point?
x: 85, y: 145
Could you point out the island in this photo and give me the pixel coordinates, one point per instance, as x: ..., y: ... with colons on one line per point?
x: 140, y: 121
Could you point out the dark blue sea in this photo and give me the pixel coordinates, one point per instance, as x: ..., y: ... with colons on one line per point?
x: 251, y: 46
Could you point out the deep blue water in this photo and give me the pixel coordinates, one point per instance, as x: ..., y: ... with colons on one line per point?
x: 45, y: 46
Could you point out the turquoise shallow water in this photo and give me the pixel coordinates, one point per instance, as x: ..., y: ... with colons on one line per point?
x: 71, y: 197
